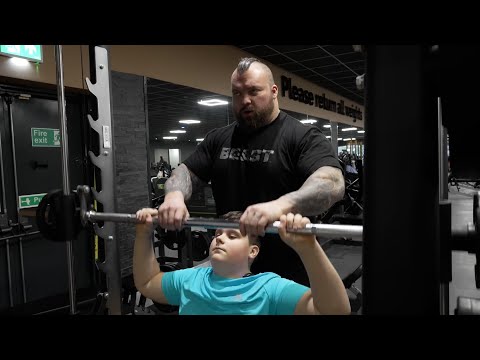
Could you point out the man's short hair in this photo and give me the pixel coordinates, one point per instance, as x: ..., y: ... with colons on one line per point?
x: 244, y: 65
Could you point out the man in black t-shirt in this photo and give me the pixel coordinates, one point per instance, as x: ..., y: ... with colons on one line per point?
x: 266, y: 164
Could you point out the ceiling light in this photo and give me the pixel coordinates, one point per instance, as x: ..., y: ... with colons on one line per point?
x: 308, y: 121
x: 199, y: 139
x: 349, y: 129
x: 24, y: 96
x: 212, y: 102
x: 328, y: 136
x: 178, y: 131
x: 189, y: 121
x: 327, y: 126
x: 361, y: 131
x: 169, y: 137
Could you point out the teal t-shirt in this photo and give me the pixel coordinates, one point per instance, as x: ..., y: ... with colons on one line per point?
x: 199, y: 291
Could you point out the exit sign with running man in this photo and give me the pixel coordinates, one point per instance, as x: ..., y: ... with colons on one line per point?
x: 29, y: 52
x: 28, y: 201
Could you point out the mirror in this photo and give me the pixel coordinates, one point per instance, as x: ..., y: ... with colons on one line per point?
x: 170, y: 103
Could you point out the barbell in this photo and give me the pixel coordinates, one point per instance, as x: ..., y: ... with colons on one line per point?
x: 87, y: 216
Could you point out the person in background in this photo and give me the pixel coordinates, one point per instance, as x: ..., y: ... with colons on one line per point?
x: 164, y: 168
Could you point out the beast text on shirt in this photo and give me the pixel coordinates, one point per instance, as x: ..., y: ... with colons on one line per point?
x: 246, y: 154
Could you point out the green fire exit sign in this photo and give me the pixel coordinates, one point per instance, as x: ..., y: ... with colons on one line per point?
x: 29, y: 52
x: 28, y: 201
x: 42, y: 137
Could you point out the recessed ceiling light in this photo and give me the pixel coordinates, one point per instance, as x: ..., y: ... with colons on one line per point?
x: 199, y: 139
x: 189, y: 121
x: 212, y: 102
x: 170, y: 137
x: 349, y: 129
x: 178, y: 131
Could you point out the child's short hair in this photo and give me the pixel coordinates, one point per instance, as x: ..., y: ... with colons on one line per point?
x: 235, y: 217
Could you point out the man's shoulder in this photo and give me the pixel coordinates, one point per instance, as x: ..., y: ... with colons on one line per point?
x: 222, y: 130
x: 286, y: 116
x: 299, y: 128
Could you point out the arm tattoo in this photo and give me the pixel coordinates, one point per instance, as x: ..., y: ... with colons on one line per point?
x: 183, y: 180
x: 319, y: 192
x: 180, y: 180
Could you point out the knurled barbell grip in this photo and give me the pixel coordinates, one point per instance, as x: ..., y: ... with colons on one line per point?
x: 321, y: 230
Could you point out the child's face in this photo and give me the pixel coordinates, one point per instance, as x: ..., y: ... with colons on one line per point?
x: 228, y: 245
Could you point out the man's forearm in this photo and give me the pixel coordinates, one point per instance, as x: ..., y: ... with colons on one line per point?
x: 318, y: 193
x: 145, y: 265
x: 180, y: 180
x: 328, y: 292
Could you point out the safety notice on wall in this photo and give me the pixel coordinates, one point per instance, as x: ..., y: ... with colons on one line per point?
x: 28, y: 201
x: 45, y: 137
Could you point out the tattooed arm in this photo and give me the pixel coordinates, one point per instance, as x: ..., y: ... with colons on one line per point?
x: 178, y: 190
x: 181, y: 181
x: 318, y: 193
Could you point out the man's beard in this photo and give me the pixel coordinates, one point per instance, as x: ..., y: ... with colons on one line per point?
x: 256, y: 120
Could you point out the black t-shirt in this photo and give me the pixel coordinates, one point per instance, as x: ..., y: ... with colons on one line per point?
x: 249, y: 168
x: 246, y: 168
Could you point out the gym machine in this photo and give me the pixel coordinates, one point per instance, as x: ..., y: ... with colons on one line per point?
x: 403, y: 86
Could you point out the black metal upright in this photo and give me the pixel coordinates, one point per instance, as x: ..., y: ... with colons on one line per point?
x: 400, y: 252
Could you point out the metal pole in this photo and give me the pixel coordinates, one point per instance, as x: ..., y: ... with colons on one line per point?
x: 322, y: 230
x: 9, y: 271
x: 442, y: 156
x: 444, y: 286
x: 65, y: 173
x: 14, y: 156
x: 334, y: 136
x: 22, y: 270
x: 4, y: 200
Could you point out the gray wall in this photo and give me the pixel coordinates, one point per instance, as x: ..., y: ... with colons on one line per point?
x: 131, y: 157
